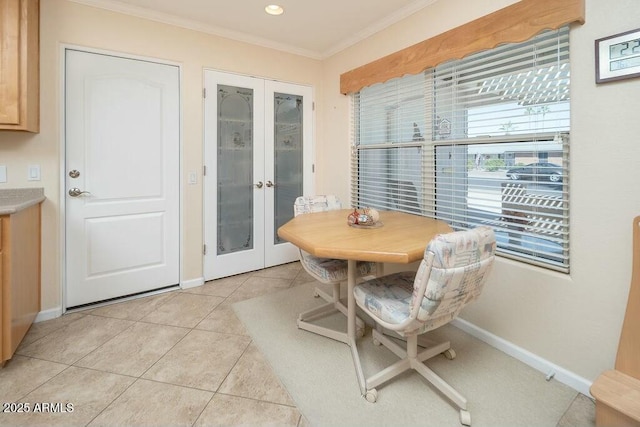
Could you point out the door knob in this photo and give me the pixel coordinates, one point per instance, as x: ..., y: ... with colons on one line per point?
x: 75, y: 192
x: 270, y: 184
x: 259, y: 184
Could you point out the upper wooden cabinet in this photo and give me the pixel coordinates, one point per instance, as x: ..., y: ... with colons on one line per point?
x: 19, y: 65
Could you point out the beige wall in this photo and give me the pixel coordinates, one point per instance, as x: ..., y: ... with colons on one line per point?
x: 64, y: 22
x: 571, y: 320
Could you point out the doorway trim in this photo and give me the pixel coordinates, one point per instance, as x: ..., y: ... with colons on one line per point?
x: 50, y: 314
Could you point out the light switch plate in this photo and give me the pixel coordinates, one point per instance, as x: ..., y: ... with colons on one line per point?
x: 3, y: 173
x: 33, y: 173
x: 193, y: 178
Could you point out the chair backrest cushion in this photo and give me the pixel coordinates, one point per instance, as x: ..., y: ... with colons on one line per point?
x: 320, y: 203
x: 459, y: 268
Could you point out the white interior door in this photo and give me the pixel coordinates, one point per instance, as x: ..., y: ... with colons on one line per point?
x: 288, y: 161
x: 234, y: 183
x: 122, y: 173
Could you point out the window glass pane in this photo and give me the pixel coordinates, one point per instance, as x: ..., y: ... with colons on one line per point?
x: 513, y: 119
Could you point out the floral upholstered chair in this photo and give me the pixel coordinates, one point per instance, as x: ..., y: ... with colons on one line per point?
x: 326, y: 270
x: 451, y: 275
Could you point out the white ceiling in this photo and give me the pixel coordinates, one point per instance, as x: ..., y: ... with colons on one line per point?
x: 312, y: 28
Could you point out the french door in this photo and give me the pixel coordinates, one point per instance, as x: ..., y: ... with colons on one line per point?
x: 258, y: 156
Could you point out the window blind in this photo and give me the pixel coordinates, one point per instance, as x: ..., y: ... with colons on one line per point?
x: 482, y: 140
x: 390, y: 121
x: 512, y: 89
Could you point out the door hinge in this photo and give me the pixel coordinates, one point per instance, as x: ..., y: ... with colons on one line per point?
x: 204, y: 249
x: 313, y: 168
x: 204, y: 170
x: 204, y: 92
x: 313, y: 106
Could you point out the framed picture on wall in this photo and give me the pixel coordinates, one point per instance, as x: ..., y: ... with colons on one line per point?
x: 618, y: 56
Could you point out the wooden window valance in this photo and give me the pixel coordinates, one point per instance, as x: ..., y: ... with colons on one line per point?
x: 512, y: 24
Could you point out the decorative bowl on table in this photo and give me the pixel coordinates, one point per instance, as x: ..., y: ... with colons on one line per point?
x: 364, y: 218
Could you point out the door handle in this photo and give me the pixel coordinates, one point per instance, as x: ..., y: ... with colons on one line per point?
x: 270, y: 184
x: 75, y: 192
x: 259, y: 184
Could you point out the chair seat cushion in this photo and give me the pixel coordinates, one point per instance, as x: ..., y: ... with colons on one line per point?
x: 388, y: 298
x: 329, y: 270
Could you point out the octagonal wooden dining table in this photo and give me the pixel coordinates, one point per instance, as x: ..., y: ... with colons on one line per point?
x: 397, y: 238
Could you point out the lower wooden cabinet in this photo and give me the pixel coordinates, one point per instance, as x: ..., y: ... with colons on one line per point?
x: 19, y: 276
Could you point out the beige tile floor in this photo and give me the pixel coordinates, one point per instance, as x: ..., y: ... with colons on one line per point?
x: 177, y: 358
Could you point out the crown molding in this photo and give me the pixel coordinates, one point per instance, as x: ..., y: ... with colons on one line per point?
x: 190, y: 24
x: 378, y: 26
x: 165, y: 18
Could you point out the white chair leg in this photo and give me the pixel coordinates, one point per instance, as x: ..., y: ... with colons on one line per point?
x: 386, y: 374
x: 440, y: 384
x: 411, y: 359
x: 434, y: 351
x: 465, y: 417
x: 332, y: 306
x: 317, y: 292
x: 371, y: 395
x: 386, y: 341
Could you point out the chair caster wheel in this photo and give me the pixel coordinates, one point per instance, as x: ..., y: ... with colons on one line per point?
x: 376, y: 342
x: 316, y: 294
x: 360, y: 332
x: 371, y: 395
x: 465, y: 417
x: 449, y: 354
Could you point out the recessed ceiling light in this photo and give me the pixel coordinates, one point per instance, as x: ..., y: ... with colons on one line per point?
x: 274, y: 9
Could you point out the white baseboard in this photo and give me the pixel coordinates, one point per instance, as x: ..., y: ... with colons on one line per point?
x: 192, y: 283
x: 52, y: 313
x: 550, y: 370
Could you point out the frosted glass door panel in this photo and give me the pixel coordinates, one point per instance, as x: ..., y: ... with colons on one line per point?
x: 234, y: 152
x: 289, y: 164
x: 288, y: 159
x: 288, y: 132
x: 235, y: 169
